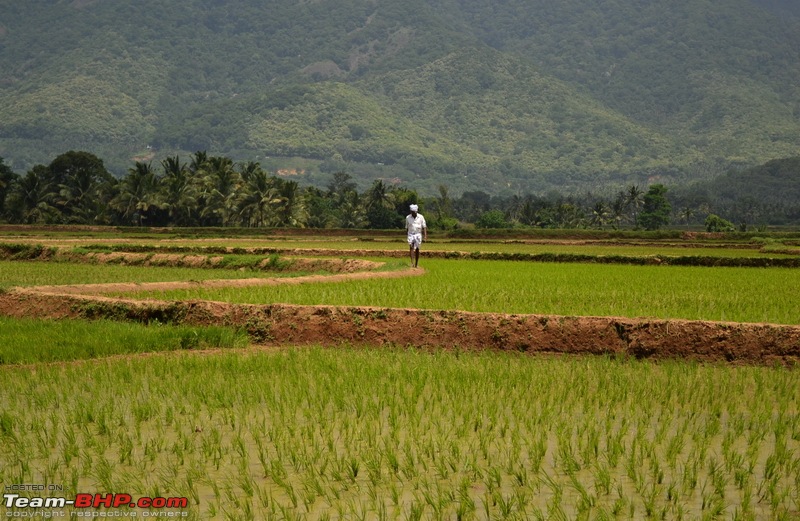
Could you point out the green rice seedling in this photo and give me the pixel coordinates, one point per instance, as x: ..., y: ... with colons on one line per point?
x: 675, y: 446
x: 690, y: 476
x: 192, y: 489
x: 74, y: 340
x: 557, y: 513
x: 587, y: 500
x: 352, y: 467
x: 212, y: 509
x: 556, y: 489
x: 522, y: 498
x: 730, y: 294
x: 633, y: 469
x: 589, y: 445
x: 392, y: 460
x: 415, y: 510
x: 435, y: 500
x: 566, y: 453
x: 291, y: 493
x: 649, y: 498
x: 657, y: 473
x: 714, y: 508
x: 520, y: 474
x: 620, y: 503
x: 719, y: 478
x: 602, y: 478
x: 394, y: 493
x: 103, y: 472
x: 465, y: 509
x: 288, y: 421
x: 672, y: 493
x: 741, y: 515
x: 246, y: 479
x: 506, y: 505
x: 19, y: 273
x: 615, y: 447
x: 494, y: 479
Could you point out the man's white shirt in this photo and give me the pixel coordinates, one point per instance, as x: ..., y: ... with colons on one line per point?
x: 415, y: 224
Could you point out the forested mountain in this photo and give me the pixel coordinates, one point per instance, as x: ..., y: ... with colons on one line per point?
x: 506, y: 97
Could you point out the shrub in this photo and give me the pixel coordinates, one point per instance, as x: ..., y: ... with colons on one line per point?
x: 715, y: 223
x: 492, y: 219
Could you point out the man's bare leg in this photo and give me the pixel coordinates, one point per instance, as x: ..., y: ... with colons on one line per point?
x: 416, y: 257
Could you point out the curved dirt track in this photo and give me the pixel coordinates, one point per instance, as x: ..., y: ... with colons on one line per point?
x: 132, y: 287
x: 280, y: 324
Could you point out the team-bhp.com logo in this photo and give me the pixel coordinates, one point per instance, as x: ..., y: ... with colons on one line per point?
x: 159, y: 505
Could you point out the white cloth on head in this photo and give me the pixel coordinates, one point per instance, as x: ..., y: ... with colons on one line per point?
x: 414, y: 207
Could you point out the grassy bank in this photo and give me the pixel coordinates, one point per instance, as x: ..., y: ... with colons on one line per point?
x: 29, y: 341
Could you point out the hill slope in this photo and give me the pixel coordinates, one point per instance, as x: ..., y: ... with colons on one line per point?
x: 503, y: 97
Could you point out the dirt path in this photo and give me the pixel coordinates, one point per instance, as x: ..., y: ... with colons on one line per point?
x: 131, y: 287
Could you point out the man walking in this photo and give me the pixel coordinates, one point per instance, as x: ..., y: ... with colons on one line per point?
x: 417, y: 232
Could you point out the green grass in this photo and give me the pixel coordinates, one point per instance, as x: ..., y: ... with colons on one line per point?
x: 352, y: 434
x: 399, y: 243
x: 535, y: 244
x: 35, y: 273
x: 728, y: 294
x: 28, y: 341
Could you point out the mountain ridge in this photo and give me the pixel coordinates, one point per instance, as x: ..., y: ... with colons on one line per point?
x: 506, y: 97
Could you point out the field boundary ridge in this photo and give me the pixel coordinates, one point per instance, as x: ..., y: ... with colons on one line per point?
x: 291, y: 325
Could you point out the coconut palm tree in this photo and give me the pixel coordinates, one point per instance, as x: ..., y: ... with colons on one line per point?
x: 288, y: 205
x: 319, y: 207
x: 351, y: 211
x: 178, y: 192
x: 634, y: 200
x: 687, y: 213
x: 444, y: 203
x: 512, y: 208
x: 600, y: 215
x: 617, y: 211
x: 198, y: 161
x: 379, y: 206
x: 82, y: 186
x: 257, y: 194
x: 138, y: 194
x: 219, y: 182
x: 31, y: 198
x: 568, y: 215
x: 7, y: 180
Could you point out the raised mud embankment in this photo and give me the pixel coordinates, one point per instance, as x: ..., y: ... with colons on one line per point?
x: 280, y: 324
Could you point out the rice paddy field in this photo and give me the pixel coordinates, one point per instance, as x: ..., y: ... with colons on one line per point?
x: 242, y: 431
x: 702, y: 293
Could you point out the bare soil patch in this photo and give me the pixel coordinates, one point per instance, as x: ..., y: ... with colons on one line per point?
x: 186, y: 260
x: 290, y: 264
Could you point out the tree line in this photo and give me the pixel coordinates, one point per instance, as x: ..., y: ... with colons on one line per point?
x: 208, y: 190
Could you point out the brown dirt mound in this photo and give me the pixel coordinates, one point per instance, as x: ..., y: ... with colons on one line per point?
x: 183, y: 260
x: 278, y: 324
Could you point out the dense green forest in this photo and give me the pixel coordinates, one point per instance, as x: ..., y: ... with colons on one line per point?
x: 512, y: 97
x: 209, y: 190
